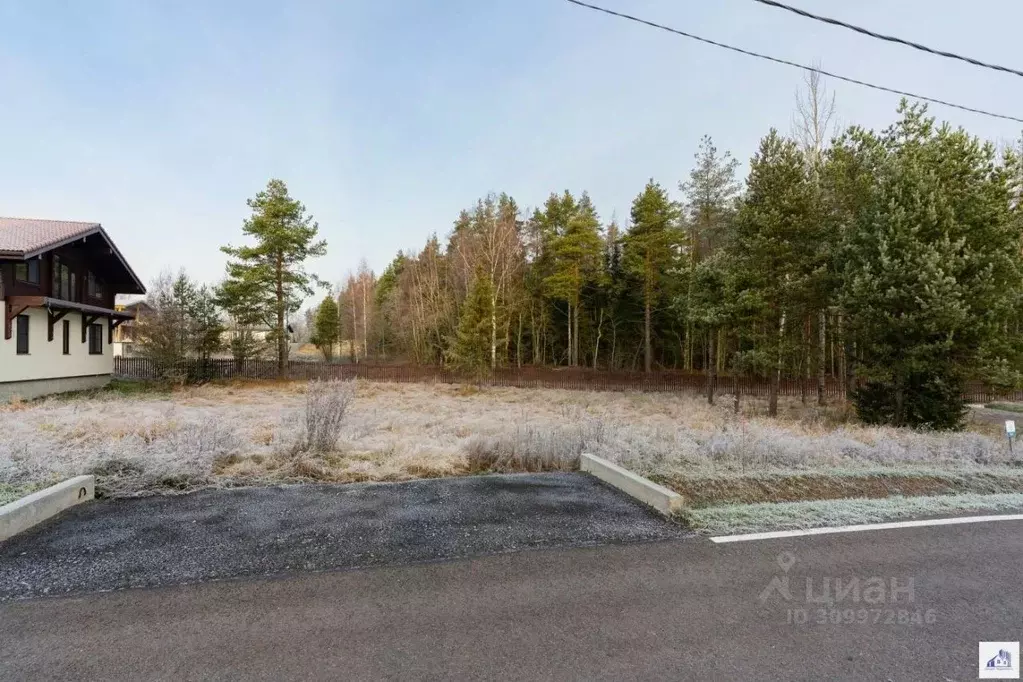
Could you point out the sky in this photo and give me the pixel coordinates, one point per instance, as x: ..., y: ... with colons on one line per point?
x: 387, y: 117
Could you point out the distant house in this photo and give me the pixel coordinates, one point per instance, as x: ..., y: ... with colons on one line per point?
x: 126, y: 339
x: 58, y: 280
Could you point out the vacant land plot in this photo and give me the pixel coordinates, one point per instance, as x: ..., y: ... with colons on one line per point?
x: 250, y: 434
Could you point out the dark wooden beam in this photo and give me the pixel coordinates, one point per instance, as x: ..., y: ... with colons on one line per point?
x: 86, y: 321
x: 114, y: 323
x: 54, y: 317
x: 16, y: 305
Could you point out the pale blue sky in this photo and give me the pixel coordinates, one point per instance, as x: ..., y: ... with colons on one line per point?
x: 385, y: 117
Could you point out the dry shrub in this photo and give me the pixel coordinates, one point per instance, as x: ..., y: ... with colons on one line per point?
x: 326, y: 403
x: 534, y: 449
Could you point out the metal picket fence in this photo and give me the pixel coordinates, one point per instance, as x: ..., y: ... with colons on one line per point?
x: 575, y: 378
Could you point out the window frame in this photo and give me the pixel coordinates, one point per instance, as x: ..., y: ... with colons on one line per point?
x: 95, y: 334
x: 27, y: 265
x: 27, y: 322
x: 67, y: 337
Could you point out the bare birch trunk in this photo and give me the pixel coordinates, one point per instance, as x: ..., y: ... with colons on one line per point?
x: 518, y: 344
x: 772, y: 405
x: 569, y: 334
x: 735, y: 392
x: 843, y: 385
x: 575, y: 337
x: 822, y: 360
x: 493, y: 333
x: 712, y: 367
x: 647, y: 347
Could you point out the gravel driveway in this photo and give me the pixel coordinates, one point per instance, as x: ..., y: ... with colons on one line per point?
x: 221, y: 534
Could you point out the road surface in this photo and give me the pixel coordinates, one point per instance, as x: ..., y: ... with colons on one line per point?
x: 682, y: 609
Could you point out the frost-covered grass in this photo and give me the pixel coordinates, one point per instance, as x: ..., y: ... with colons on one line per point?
x: 754, y: 518
x: 218, y: 435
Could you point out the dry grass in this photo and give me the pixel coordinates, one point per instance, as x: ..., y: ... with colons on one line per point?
x: 246, y: 433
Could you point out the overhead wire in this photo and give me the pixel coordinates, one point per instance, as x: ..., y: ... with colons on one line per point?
x: 888, y: 38
x: 786, y: 62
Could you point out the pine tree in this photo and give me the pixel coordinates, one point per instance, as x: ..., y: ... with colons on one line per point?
x: 267, y: 281
x: 931, y: 270
x: 651, y: 249
x: 711, y: 195
x: 774, y: 257
x: 576, y: 264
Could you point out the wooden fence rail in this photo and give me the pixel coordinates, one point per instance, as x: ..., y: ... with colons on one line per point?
x: 525, y: 377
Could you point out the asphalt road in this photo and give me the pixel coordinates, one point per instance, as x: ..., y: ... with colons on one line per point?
x: 673, y: 610
x: 223, y: 534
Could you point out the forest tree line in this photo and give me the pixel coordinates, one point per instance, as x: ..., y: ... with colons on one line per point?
x: 887, y: 261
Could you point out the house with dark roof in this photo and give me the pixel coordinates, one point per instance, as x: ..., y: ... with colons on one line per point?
x: 126, y: 335
x: 58, y: 280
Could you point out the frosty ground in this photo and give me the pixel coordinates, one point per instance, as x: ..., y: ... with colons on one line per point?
x: 142, y: 441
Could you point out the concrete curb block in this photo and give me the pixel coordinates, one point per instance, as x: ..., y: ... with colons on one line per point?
x: 41, y: 505
x: 646, y: 491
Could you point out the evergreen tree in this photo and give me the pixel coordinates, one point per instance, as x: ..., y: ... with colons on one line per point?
x: 651, y: 250
x: 267, y: 281
x: 711, y: 195
x: 931, y: 270
x: 576, y: 264
x: 469, y: 350
x: 327, y: 327
x: 774, y: 257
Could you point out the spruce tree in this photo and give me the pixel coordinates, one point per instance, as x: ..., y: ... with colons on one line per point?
x: 327, y: 327
x: 469, y: 350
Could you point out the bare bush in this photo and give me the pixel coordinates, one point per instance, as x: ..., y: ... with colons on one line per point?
x: 529, y: 448
x: 326, y: 403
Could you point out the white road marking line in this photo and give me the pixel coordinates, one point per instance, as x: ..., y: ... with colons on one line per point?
x: 866, y: 526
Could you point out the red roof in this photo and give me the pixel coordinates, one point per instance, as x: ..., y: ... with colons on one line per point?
x: 24, y: 236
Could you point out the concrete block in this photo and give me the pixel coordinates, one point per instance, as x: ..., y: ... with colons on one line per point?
x: 657, y: 496
x: 41, y: 505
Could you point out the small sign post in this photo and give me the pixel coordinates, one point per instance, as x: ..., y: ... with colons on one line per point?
x: 1010, y: 431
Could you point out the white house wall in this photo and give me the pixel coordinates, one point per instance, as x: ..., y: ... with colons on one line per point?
x: 46, y: 359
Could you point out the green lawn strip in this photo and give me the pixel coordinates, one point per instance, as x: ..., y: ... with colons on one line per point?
x: 703, y: 490
x: 755, y: 518
x: 1006, y: 407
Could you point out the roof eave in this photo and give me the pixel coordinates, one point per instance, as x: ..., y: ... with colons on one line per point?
x: 97, y: 229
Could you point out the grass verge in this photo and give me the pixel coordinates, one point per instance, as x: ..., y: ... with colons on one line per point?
x: 755, y: 518
x: 708, y: 490
x: 1005, y: 407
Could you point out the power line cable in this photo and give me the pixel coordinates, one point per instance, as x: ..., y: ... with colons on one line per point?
x: 890, y: 39
x: 786, y: 62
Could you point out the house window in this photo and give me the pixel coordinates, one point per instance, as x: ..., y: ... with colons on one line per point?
x: 22, y: 346
x: 74, y: 289
x: 93, y: 286
x: 27, y: 271
x: 67, y: 338
x: 61, y: 280
x: 95, y: 339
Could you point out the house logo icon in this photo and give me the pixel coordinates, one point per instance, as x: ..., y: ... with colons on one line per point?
x: 999, y: 660
x: 1003, y: 661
